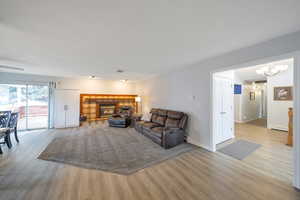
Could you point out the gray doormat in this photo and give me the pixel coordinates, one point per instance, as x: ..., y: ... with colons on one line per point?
x: 122, y: 151
x: 240, y: 149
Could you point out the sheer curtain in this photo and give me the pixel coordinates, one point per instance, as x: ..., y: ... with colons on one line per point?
x: 52, y: 86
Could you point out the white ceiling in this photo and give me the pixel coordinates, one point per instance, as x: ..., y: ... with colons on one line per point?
x: 142, y: 37
x: 249, y: 73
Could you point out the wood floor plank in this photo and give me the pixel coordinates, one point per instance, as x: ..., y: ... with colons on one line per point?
x: 194, y: 175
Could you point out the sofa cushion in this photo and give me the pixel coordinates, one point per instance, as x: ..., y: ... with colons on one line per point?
x: 172, y: 123
x: 153, y: 117
x: 157, y: 114
x: 175, y: 114
x: 159, y: 120
x: 157, y: 131
x: 161, y: 112
x: 149, y: 125
x: 154, y: 111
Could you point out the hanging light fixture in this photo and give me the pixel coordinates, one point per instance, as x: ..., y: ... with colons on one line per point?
x: 271, y: 70
x: 254, y: 87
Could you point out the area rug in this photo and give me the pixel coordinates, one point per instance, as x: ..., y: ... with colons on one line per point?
x: 117, y: 150
x: 240, y: 149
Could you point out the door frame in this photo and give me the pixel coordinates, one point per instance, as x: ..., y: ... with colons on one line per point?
x: 296, y: 105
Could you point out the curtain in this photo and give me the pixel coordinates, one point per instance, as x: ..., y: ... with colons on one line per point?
x: 52, y: 86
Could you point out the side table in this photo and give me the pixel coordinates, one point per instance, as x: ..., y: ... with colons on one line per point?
x: 135, y: 118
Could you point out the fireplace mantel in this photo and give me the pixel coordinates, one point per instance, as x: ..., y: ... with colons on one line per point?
x: 90, y: 104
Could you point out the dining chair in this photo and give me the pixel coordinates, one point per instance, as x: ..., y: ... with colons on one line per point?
x: 2, y: 135
x: 4, y: 118
x: 4, y: 123
x: 13, y: 123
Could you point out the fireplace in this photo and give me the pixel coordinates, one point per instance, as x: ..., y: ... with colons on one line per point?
x: 101, y: 106
x: 106, y: 110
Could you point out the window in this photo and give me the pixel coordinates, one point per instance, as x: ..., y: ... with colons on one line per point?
x: 30, y: 101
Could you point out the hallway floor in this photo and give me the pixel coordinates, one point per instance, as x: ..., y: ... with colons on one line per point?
x: 274, y: 158
x: 259, y: 122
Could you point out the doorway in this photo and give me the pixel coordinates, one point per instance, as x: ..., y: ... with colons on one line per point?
x: 259, y: 115
x: 30, y: 101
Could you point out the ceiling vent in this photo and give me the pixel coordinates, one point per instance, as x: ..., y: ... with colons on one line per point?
x: 120, y: 71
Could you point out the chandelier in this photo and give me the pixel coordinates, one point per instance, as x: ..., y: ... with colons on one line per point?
x: 272, y: 70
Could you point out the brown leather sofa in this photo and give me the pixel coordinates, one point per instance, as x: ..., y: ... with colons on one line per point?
x: 166, y: 127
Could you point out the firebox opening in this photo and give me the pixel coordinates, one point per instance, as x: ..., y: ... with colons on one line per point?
x: 106, y: 110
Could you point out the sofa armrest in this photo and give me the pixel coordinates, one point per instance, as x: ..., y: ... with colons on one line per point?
x: 172, y: 137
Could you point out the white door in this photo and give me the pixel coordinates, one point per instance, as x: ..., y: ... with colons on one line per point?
x: 223, y: 109
x: 59, y: 113
x: 72, y: 114
x: 66, y: 108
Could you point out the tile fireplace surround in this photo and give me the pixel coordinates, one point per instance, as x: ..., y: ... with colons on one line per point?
x: 101, y: 106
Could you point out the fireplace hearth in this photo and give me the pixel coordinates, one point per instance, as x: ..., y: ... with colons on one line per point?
x: 106, y: 110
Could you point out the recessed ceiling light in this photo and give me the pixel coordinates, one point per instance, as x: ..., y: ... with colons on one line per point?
x: 120, y: 71
x: 124, y: 80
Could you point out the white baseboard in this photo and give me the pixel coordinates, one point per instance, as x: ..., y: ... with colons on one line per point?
x: 281, y: 128
x: 196, y: 143
x: 239, y: 122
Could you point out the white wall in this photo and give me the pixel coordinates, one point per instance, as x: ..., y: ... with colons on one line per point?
x: 237, y: 108
x: 97, y: 86
x: 278, y: 110
x: 237, y: 100
x: 83, y: 85
x: 264, y: 112
x: 189, y: 89
x: 18, y: 78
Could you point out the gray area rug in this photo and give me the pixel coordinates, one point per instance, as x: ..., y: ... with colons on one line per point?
x: 117, y: 150
x: 240, y: 149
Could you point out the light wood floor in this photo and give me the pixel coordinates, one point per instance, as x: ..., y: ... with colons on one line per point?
x: 194, y: 175
x: 274, y: 158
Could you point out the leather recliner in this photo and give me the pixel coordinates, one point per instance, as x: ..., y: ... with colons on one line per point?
x: 122, y: 119
x: 166, y: 127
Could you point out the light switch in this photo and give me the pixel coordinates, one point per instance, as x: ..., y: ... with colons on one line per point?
x: 66, y: 107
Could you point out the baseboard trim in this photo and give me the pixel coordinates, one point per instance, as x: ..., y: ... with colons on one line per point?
x: 196, y: 143
x: 239, y: 122
x: 280, y: 128
x: 246, y: 121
